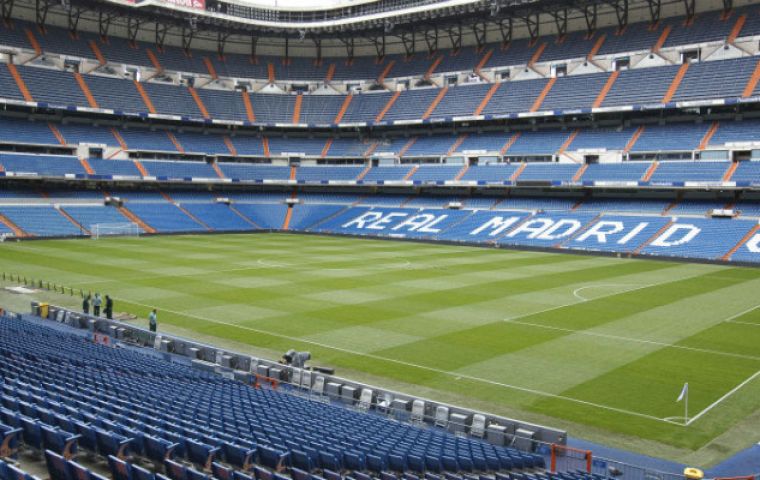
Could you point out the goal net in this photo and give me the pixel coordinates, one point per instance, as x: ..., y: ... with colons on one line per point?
x: 114, y: 229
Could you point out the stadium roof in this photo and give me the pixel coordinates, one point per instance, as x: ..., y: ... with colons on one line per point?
x: 303, y: 6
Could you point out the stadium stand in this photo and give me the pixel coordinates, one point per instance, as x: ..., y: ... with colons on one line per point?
x: 637, y: 139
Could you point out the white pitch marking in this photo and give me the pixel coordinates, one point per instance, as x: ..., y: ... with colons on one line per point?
x: 421, y: 367
x: 268, y: 264
x: 636, y: 340
x: 721, y: 399
x: 577, y: 291
x: 745, y: 323
x: 732, y: 318
x: 557, y: 307
x: 406, y: 265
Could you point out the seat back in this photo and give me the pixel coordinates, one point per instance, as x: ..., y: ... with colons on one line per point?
x: 365, y: 398
x: 238, y: 456
x: 120, y: 470
x: 478, y: 427
x: 140, y: 473
x: 58, y: 469
x: 158, y: 449
x: 318, y: 387
x: 221, y: 472
x: 78, y: 472
x: 31, y: 433
x: 418, y: 411
x: 174, y: 470
x: 441, y: 416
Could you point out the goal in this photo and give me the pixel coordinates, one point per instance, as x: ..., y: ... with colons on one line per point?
x: 114, y: 229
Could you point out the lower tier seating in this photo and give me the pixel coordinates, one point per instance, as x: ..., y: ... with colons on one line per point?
x: 66, y: 394
x: 531, y: 221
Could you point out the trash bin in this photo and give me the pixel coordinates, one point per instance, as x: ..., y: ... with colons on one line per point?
x: 44, y: 308
x: 35, y: 309
x: 693, y: 473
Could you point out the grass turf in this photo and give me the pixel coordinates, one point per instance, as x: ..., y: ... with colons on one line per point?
x: 593, y: 343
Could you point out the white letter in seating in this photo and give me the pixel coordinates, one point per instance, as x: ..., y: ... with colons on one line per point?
x: 415, y: 222
x: 362, y: 220
x: 753, y: 245
x: 570, y: 225
x: 383, y: 222
x: 632, y: 234
x: 600, y: 230
x: 428, y: 227
x: 664, y: 240
x: 497, y: 225
x: 532, y: 227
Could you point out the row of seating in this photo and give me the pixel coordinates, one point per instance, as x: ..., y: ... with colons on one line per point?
x: 676, y: 173
x: 650, y: 138
x: 641, y: 86
x: 86, y: 206
x: 707, y: 27
x: 9, y: 471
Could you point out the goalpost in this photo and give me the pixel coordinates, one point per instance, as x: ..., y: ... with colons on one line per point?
x: 114, y: 229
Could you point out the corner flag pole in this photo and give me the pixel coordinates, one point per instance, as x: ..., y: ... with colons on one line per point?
x: 685, y: 397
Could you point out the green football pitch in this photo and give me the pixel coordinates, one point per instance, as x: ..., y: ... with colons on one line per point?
x: 600, y: 346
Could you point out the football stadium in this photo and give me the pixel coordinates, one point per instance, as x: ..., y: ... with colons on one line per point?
x: 380, y: 240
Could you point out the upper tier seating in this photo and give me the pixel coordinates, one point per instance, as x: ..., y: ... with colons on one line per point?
x: 671, y: 137
x: 39, y: 81
x: 179, y: 169
x: 621, y: 172
x: 316, y: 174
x: 729, y: 132
x: 388, y: 173
x: 562, y: 172
x: 690, y: 172
x: 541, y: 142
x: 706, y: 27
x: 41, y: 164
x: 702, y: 81
x: 640, y: 86
x: 748, y: 172
x: 436, y: 173
x: 22, y: 131
x: 8, y: 85
x: 718, y: 79
x: 490, y: 173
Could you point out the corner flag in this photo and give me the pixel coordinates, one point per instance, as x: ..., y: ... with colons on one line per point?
x: 684, y: 392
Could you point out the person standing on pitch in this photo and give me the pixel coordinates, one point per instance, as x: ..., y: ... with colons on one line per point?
x: 86, y: 305
x: 153, y: 320
x: 109, y: 308
x: 96, y: 303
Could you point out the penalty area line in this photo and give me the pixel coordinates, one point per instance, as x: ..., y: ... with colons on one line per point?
x: 455, y: 375
x: 732, y: 318
x: 722, y: 399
